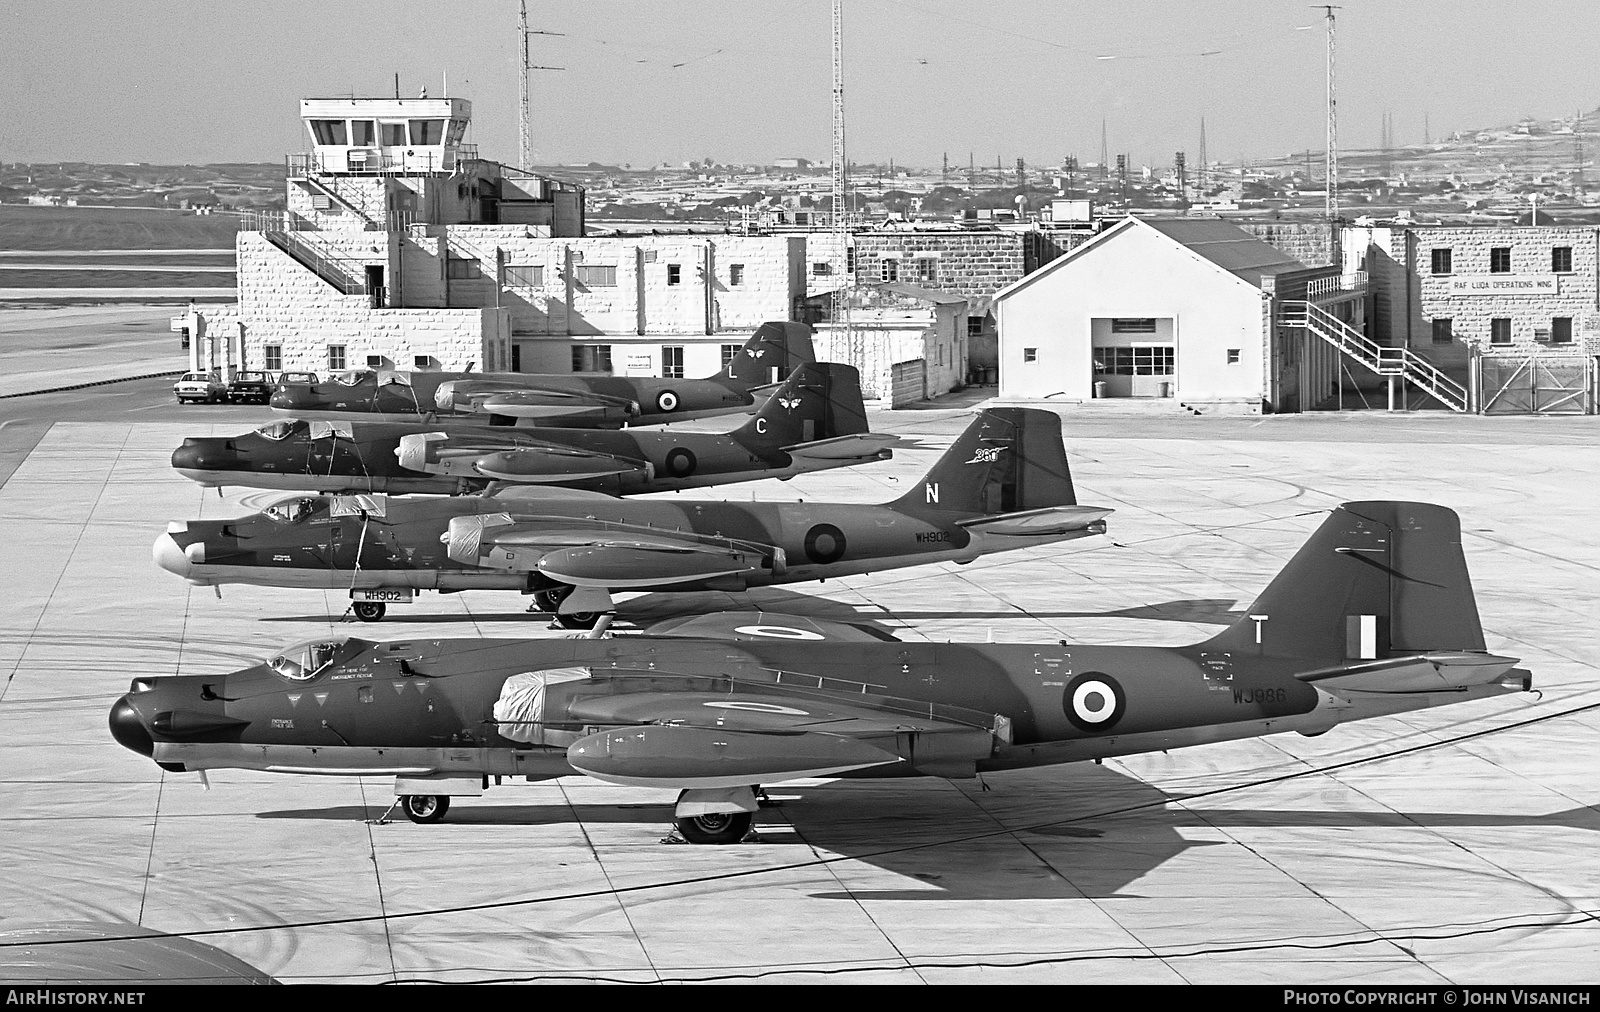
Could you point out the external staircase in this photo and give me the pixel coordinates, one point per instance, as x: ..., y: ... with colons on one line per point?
x: 1393, y: 363
x: 343, y: 273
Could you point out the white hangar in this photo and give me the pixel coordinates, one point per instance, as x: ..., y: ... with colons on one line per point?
x: 1190, y: 312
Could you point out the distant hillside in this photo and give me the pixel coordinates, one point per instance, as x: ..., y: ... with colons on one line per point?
x: 94, y: 228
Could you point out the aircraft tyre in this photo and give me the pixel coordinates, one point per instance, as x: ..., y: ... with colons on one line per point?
x: 369, y: 611
x: 578, y: 620
x: 425, y: 809
x: 550, y: 600
x: 719, y: 828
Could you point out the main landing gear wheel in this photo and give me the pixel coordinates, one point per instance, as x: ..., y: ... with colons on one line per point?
x: 369, y: 611
x: 720, y: 827
x: 549, y: 601
x: 424, y: 809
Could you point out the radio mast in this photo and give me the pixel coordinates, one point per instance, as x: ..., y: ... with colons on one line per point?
x: 841, y: 197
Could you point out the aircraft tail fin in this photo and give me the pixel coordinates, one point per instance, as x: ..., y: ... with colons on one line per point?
x: 1378, y: 579
x: 772, y: 352
x: 819, y: 400
x: 1007, y: 461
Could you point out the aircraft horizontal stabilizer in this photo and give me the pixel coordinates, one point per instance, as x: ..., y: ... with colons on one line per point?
x: 664, y: 755
x: 1441, y: 671
x: 861, y: 446
x: 1040, y: 522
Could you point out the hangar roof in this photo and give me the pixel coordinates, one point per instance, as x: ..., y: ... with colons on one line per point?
x: 1228, y: 246
x: 1225, y: 246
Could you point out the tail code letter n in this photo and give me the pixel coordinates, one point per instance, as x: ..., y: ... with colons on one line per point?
x: 932, y: 490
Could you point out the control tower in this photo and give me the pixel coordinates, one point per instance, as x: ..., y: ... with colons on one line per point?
x: 383, y: 164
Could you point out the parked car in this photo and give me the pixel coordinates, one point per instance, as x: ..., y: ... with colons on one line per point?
x: 251, y: 387
x: 200, y: 386
x: 298, y: 377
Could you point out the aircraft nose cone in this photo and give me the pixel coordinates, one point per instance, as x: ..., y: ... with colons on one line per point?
x: 127, y: 727
x: 170, y: 557
x: 293, y: 398
x: 201, y: 455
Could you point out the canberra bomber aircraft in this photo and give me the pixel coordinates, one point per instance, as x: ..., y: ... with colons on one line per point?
x: 570, y: 400
x: 816, y: 420
x: 1374, y: 615
x: 1003, y: 484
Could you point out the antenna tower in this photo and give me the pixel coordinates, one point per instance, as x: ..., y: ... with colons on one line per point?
x: 1200, y: 178
x: 1331, y: 168
x: 841, y: 187
x: 525, y: 105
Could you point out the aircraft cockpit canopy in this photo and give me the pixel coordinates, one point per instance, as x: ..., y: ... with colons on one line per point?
x: 305, y: 661
x: 292, y: 511
x: 280, y: 429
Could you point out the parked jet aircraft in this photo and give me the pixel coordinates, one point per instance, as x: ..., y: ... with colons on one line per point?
x: 1004, y: 484
x: 815, y: 421
x: 570, y: 400
x: 1375, y: 615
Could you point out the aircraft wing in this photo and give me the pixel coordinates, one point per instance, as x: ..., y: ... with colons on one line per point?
x: 753, y: 626
x: 861, y: 446
x: 527, y: 401
x: 601, y: 554
x: 531, y: 462
x: 1040, y: 522
x: 698, y: 739
x: 1441, y: 671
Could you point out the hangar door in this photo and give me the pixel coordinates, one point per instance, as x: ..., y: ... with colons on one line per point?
x: 1134, y: 356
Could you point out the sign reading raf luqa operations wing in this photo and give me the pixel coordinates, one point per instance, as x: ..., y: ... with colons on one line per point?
x: 1503, y: 284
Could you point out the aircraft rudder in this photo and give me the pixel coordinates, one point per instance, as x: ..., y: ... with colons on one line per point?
x: 1007, y: 460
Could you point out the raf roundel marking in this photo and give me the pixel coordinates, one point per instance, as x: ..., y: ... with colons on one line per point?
x: 757, y: 707
x: 666, y: 400
x: 778, y: 632
x: 824, y: 544
x: 1094, y: 701
x: 680, y: 462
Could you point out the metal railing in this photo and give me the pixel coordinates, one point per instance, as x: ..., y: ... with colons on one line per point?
x: 1402, y: 362
x: 319, y: 258
x: 1340, y: 284
x: 378, y: 162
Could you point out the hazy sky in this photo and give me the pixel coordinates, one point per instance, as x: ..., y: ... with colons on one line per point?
x: 672, y: 80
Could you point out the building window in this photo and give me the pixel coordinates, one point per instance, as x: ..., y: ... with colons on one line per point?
x: 460, y: 268
x: 274, y: 357
x: 672, y: 361
x: 328, y: 131
x: 1233, y: 356
x: 1441, y: 261
x: 591, y: 358
x: 821, y: 269
x: 336, y: 357
x: 674, y: 274
x: 974, y: 326
x: 729, y: 351
x: 427, y: 132
x: 596, y: 275
x: 850, y: 260
x: 1500, y: 330
x: 1030, y: 354
x: 735, y: 275
x: 1561, y: 330
x: 927, y: 269
x: 1133, y: 326
x: 1443, y: 331
x: 393, y: 134
x: 1561, y: 260
x: 525, y: 275
x: 1141, y: 360
x: 1500, y: 260
x: 889, y: 269
x: 363, y: 133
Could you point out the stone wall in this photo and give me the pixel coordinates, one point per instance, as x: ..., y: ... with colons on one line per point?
x: 1407, y: 296
x: 1311, y: 243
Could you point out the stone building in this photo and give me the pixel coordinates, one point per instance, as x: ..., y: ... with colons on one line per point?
x: 909, y: 343
x: 403, y: 249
